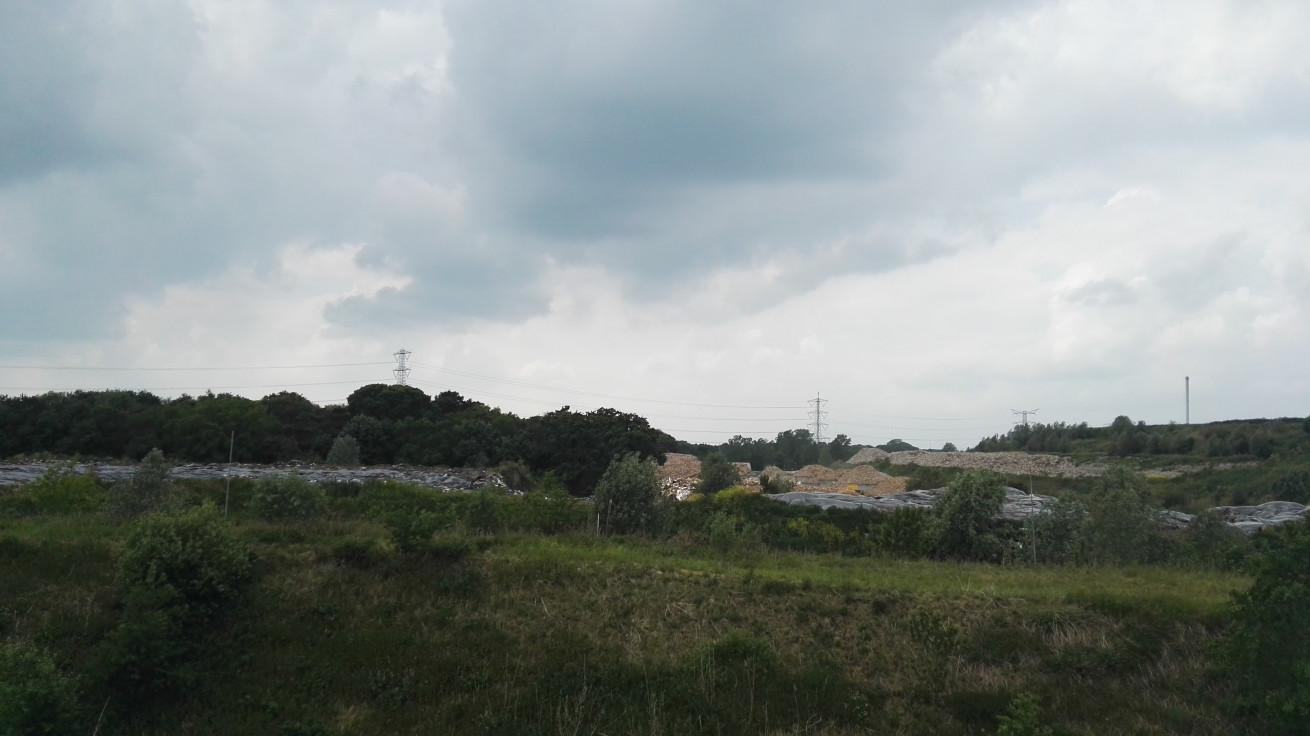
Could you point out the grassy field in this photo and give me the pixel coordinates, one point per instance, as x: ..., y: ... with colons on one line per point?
x: 573, y: 634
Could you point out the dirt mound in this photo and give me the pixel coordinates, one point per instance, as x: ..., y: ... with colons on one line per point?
x: 678, y: 466
x: 1012, y: 463
x: 868, y: 455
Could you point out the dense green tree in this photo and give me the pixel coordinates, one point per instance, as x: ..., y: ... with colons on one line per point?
x: 450, y: 402
x: 201, y: 429
x: 964, y: 517
x: 579, y: 447
x: 796, y: 448
x: 296, y: 432
x: 897, y: 445
x: 344, y: 452
x: 376, y: 438
x: 628, y: 494
x: 389, y: 402
x: 840, y: 448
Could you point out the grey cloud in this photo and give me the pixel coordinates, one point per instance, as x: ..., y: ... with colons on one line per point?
x: 455, y: 291
x: 42, y: 124
x: 1209, y: 272
x: 608, y: 114
x: 1103, y: 292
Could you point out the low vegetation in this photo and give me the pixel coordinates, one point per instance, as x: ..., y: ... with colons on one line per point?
x: 287, y: 607
x: 396, y: 609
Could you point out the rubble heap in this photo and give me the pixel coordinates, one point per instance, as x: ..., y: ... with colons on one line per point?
x: 1019, y: 506
x: 449, y: 479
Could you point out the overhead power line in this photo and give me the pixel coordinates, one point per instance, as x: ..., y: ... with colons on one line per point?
x: 918, y: 419
x: 594, y: 394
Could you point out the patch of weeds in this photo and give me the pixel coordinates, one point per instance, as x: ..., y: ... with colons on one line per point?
x: 777, y: 587
x: 361, y: 554
x: 390, y: 687
x: 1087, y: 661
x: 977, y: 708
x: 304, y: 728
x: 933, y: 631
x: 449, y: 547
x: 1023, y: 717
x: 888, y: 603
x: 1002, y: 643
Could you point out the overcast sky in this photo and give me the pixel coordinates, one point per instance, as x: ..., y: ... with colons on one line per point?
x: 932, y: 213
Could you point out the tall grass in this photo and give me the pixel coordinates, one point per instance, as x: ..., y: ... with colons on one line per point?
x: 343, y: 632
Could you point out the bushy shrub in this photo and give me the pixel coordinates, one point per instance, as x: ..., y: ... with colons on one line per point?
x: 1022, y: 718
x: 904, y: 533
x: 178, y: 574
x: 716, y: 474
x: 517, y: 475
x: 151, y: 654
x: 1294, y: 485
x: 818, y: 535
x: 1049, y: 536
x: 35, y: 698
x: 60, y: 490
x: 925, y: 477
x: 628, y: 494
x: 547, y: 514
x: 281, y: 496
x: 776, y: 484
x: 1266, y: 654
x: 344, y: 452
x: 728, y: 533
x: 964, y: 518
x: 483, y: 513
x: 1119, y: 523
x: 411, y: 529
x: 191, y: 558
x: 148, y: 491
x: 1210, y: 542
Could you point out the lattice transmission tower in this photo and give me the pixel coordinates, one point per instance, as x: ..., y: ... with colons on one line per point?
x: 1023, y: 414
x: 818, y: 414
x: 401, y: 371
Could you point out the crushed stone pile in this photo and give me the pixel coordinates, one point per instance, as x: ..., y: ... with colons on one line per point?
x: 868, y: 455
x: 679, y: 466
x: 679, y: 473
x: 1012, y: 463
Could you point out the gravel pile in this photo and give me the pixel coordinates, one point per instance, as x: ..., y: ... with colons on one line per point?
x: 1011, y: 463
x: 868, y: 455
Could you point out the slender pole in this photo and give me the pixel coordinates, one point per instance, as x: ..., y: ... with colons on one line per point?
x: 1187, y: 399
x: 227, y: 492
x: 1032, y: 532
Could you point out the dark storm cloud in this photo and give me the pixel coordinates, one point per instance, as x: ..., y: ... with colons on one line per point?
x: 600, y: 118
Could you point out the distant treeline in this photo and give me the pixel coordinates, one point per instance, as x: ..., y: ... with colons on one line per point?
x: 1259, y: 438
x: 790, y: 450
x: 391, y: 424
